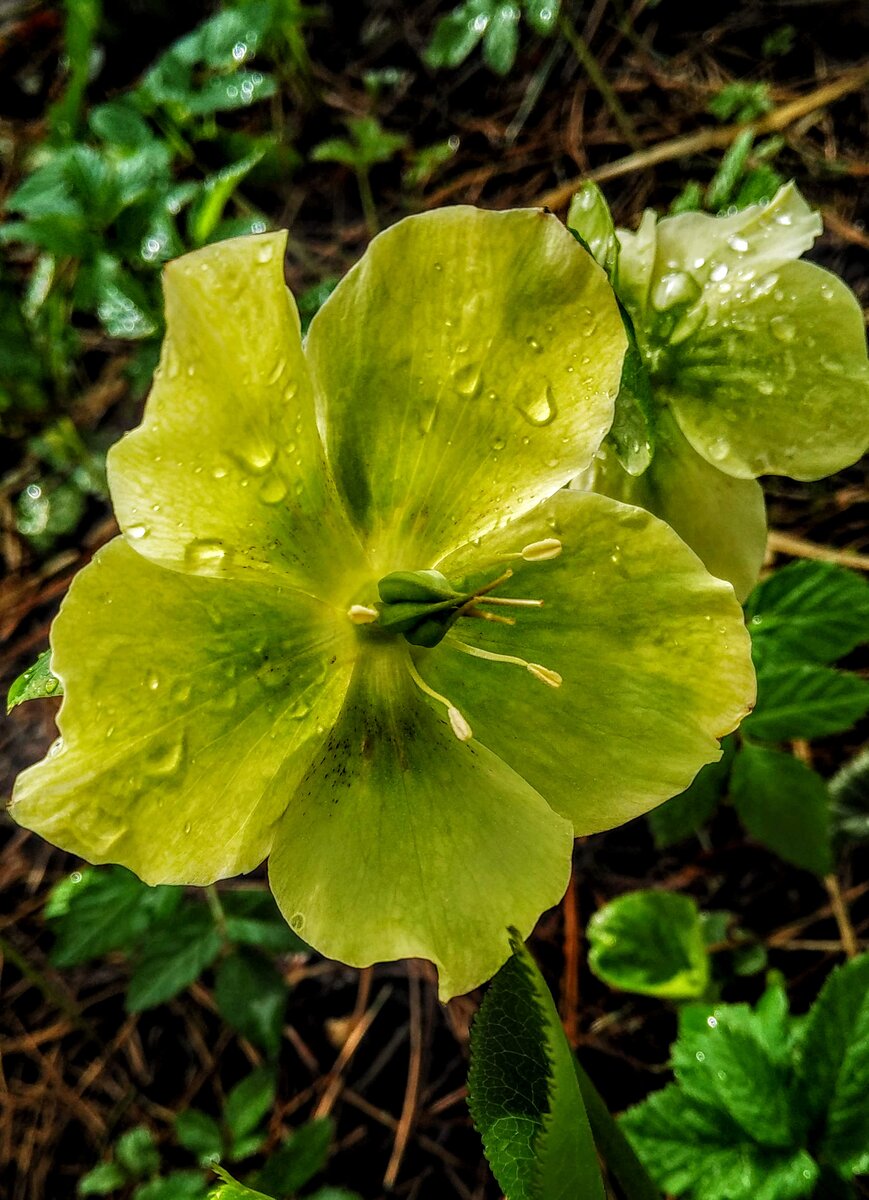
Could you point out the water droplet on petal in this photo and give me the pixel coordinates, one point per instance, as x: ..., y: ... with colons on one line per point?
x: 783, y: 329
x: 273, y: 490
x: 204, y: 553
x: 534, y: 344
x: 541, y: 411
x: 137, y: 531
x: 467, y: 380
x: 719, y: 450
x: 297, y: 922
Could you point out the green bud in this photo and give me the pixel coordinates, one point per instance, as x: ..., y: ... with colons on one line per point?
x: 425, y: 587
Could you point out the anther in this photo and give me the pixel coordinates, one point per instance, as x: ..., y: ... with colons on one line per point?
x: 458, y: 724
x: 545, y: 675
x: 541, y: 551
x: 362, y: 614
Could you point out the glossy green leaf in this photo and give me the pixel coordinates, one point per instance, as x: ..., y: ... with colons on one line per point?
x: 249, y: 1102
x: 651, y: 651
x: 833, y: 1066
x: 208, y: 207
x: 590, y: 217
x: 501, y: 39
x: 504, y: 329
x: 523, y: 1092
x: 805, y: 700
x: 722, y: 519
x: 633, y: 434
x: 179, y: 1185
x: 386, y: 799
x: 200, y: 1134
x: 93, y: 912
x: 808, y: 611
x: 253, y: 919
x: 785, y: 805
x: 299, y: 1159
x: 457, y: 33
x: 229, y: 441
x: 172, y: 957
x: 137, y: 1152
x: 193, y: 713
x: 251, y: 997
x: 35, y: 683
x: 692, y: 1149
x: 651, y: 943
x: 687, y: 813
x: 102, y: 1179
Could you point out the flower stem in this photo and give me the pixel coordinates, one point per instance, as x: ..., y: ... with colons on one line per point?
x: 613, y: 1147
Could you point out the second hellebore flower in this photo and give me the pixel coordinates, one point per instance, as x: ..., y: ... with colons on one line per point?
x: 353, y: 624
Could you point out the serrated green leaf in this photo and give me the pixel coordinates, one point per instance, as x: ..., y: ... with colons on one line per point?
x: 688, y: 812
x: 251, y: 997
x: 651, y: 943
x: 523, y: 1091
x: 808, y: 611
x: 101, y: 1180
x: 101, y: 909
x: 249, y: 1102
x: 253, y: 918
x: 180, y: 1185
x: 785, y: 805
x: 36, y: 683
x: 833, y: 1067
x: 199, y: 1133
x: 849, y: 793
x: 691, y: 1149
x: 172, y: 957
x: 805, y: 700
x: 299, y: 1159
x: 137, y: 1153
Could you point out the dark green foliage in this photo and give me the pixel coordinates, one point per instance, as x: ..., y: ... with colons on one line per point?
x: 491, y: 23
x: 762, y: 1103
x: 523, y: 1092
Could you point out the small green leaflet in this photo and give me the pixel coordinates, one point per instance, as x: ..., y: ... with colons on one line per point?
x: 785, y: 805
x: 231, y: 1189
x: 35, y: 683
x: 95, y: 911
x: 299, y: 1159
x: 833, y: 1066
x: 651, y: 943
x: 174, y: 955
x: 808, y: 611
x: 758, y: 1095
x: 524, y: 1095
x: 252, y: 997
x: 589, y: 216
x: 805, y: 700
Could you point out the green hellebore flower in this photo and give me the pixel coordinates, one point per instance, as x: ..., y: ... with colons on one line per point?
x: 233, y: 686
x: 758, y: 366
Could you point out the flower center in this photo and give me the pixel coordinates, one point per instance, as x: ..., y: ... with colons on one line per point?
x: 423, y: 606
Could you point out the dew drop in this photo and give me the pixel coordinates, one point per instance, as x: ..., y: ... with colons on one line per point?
x: 676, y: 287
x: 166, y: 758
x: 719, y: 450
x: 782, y: 329
x: 277, y: 371
x: 76, y: 877
x: 153, y: 682
x: 265, y: 253
x: 297, y: 922
x: 137, y: 531
x: 739, y: 244
x: 204, y: 553
x: 273, y: 490
x: 534, y: 344
x: 498, y: 443
x: 187, y: 826
x: 542, y: 411
x: 467, y: 380
x: 700, y: 1056
x: 718, y: 272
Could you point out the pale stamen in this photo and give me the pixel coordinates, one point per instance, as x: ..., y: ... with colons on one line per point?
x: 541, y: 551
x: 544, y: 674
x: 362, y: 614
x: 458, y: 724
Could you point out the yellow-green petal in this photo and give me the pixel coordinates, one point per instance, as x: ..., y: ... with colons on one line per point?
x: 780, y: 384
x: 192, y: 707
x: 225, y: 475
x: 722, y: 519
x: 468, y: 366
x: 404, y: 842
x: 653, y: 654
